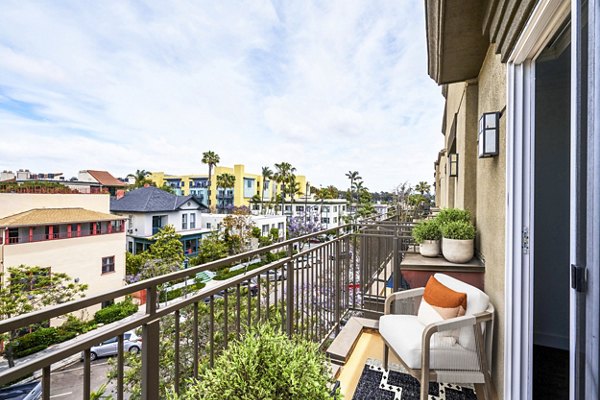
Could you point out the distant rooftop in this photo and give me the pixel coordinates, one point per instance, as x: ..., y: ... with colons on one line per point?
x: 105, y: 178
x: 51, y: 216
x: 151, y: 199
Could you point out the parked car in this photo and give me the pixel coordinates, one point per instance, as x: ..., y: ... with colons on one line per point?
x: 274, y: 275
x: 23, y: 391
x: 131, y: 343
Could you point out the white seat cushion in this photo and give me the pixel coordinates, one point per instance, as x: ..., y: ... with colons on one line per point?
x: 477, y: 302
x: 404, y: 335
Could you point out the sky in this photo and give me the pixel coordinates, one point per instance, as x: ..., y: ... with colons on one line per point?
x: 328, y: 86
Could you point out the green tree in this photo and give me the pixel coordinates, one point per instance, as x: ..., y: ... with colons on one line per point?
x: 423, y: 187
x: 29, y: 288
x: 225, y: 181
x: 211, y: 159
x: 267, y: 174
x: 284, y: 175
x: 141, y: 178
x: 354, y: 177
x: 237, y: 231
x: 211, y: 248
x: 165, y: 254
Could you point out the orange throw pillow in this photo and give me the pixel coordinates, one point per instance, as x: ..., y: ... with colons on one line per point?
x: 440, y: 303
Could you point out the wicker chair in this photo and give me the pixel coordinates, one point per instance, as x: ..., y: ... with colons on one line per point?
x: 456, y: 350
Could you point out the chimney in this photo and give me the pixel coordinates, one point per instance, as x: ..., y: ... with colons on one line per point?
x: 120, y: 194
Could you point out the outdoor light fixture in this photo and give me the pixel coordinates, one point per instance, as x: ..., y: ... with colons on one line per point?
x: 489, y: 124
x: 453, y: 164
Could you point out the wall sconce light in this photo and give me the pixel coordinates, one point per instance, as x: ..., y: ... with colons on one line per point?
x: 453, y: 164
x: 489, y: 125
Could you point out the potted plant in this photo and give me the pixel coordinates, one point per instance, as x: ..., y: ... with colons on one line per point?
x: 427, y: 234
x: 458, y: 239
x: 452, y: 214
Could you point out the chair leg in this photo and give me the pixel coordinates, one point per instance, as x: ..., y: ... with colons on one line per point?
x: 424, y: 385
x: 386, y: 356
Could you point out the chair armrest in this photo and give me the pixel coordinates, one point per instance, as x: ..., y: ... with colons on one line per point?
x: 447, y: 325
x: 405, y: 296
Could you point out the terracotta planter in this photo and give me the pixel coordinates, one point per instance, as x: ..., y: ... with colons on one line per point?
x: 457, y: 251
x: 430, y: 248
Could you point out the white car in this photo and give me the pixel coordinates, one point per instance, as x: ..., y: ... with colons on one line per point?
x: 131, y: 343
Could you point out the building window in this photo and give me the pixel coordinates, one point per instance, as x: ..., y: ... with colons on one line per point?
x: 208, y: 225
x: 193, y: 221
x: 288, y: 208
x: 334, y: 220
x: 334, y: 208
x: 184, y: 221
x: 326, y: 209
x: 265, y: 230
x: 280, y: 226
x: 130, y: 247
x: 343, y: 208
x: 299, y: 208
x: 108, y: 264
x: 325, y: 220
x: 248, y: 183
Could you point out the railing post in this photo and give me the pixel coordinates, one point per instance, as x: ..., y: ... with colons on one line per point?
x: 150, y: 350
x: 338, y: 289
x: 289, y: 295
x: 396, y: 261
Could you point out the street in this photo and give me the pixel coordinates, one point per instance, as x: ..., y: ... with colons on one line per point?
x: 68, y: 382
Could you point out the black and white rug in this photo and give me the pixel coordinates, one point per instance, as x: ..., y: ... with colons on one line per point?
x: 378, y: 384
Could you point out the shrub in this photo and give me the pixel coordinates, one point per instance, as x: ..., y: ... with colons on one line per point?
x: 255, y: 232
x: 458, y: 230
x: 116, y: 311
x: 175, y: 293
x: 265, y: 364
x: 453, y: 214
x: 427, y: 230
x: 74, y: 324
x: 39, y: 340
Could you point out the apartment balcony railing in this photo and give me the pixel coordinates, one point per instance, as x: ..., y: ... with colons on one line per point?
x: 311, y: 292
x: 42, y: 237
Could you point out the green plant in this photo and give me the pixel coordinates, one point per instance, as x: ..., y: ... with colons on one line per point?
x: 116, y: 311
x: 265, y: 364
x: 255, y: 232
x: 447, y: 215
x: 459, y: 230
x: 427, y: 230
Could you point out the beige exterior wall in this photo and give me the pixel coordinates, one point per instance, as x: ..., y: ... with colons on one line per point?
x: 14, y: 203
x: 78, y: 257
x: 491, y: 205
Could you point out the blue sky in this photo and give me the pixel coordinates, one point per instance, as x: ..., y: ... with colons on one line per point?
x: 328, y: 86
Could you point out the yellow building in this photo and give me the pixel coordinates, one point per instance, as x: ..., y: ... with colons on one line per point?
x: 247, y: 185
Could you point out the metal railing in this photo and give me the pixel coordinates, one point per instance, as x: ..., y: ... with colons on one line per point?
x: 308, y: 288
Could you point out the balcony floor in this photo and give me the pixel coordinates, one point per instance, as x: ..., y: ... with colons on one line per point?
x: 369, y: 345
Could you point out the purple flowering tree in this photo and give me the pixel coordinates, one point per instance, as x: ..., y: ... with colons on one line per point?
x: 300, y: 226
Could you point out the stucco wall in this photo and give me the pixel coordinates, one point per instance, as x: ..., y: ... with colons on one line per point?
x: 13, y: 203
x: 491, y: 204
x: 78, y: 257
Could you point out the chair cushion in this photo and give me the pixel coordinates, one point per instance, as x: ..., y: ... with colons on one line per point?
x: 477, y: 302
x: 439, y: 303
x: 404, y: 333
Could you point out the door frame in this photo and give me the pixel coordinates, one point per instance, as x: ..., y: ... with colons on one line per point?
x: 546, y: 18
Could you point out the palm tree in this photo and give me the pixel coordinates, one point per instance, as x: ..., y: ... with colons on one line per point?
x: 283, y: 176
x: 225, y: 181
x: 354, y: 177
x: 212, y: 159
x: 423, y: 187
x: 141, y: 178
x: 266, y: 174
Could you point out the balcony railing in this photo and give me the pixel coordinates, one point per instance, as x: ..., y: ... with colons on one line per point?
x: 42, y: 237
x: 310, y: 292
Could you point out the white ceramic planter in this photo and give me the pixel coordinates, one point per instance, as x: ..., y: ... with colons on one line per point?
x: 430, y: 248
x: 457, y: 251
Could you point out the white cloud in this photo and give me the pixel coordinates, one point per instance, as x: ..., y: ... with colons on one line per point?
x: 121, y: 86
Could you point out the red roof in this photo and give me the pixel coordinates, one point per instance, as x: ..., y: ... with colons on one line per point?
x: 105, y: 179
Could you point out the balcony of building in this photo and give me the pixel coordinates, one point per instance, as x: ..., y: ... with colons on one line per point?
x: 330, y: 292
